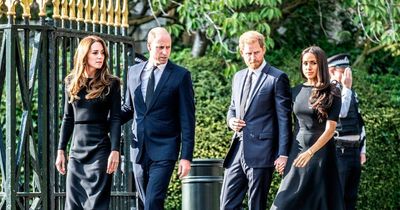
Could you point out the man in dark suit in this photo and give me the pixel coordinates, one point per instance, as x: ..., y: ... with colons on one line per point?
x: 260, y: 115
x: 160, y: 99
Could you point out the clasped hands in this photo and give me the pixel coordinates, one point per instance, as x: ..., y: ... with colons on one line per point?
x: 301, y: 161
x: 280, y: 164
x: 303, y: 158
x: 237, y: 125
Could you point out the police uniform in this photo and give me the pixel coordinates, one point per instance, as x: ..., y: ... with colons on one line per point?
x: 349, y: 138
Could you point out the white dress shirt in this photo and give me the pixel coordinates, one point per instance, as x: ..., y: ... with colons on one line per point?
x: 146, y: 75
x: 257, y: 73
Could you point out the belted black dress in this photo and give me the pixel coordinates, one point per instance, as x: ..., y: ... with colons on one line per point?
x: 315, y: 186
x: 88, y: 186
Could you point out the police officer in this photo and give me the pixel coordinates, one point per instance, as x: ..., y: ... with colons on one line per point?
x: 350, y: 131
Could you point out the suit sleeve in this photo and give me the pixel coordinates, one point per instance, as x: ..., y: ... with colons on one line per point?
x: 127, y: 109
x: 187, y: 116
x: 231, y: 110
x: 283, y: 111
x: 67, y: 126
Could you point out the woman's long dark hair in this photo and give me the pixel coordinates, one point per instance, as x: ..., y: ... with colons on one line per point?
x: 323, y: 92
x: 75, y: 80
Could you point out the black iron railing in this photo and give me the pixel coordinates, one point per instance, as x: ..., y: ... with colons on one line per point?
x: 35, y: 56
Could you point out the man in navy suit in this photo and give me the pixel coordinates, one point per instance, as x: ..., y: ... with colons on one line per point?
x: 260, y: 116
x: 160, y: 99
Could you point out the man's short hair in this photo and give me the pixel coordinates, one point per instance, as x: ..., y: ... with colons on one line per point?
x: 250, y: 37
x: 154, y: 32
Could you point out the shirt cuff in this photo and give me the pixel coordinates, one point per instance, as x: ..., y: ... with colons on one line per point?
x: 346, y: 92
x: 363, y: 150
x: 230, y: 122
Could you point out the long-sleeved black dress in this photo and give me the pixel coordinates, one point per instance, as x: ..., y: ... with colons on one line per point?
x: 88, y: 186
x: 315, y: 186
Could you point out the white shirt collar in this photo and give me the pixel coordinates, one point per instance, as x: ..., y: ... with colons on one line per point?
x: 161, y: 67
x: 258, y: 71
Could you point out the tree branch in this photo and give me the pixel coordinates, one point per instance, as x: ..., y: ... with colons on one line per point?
x: 377, y: 48
x: 287, y: 10
x: 360, y: 59
x: 290, y: 7
x: 145, y: 19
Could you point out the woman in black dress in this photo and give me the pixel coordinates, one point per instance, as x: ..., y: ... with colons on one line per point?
x: 311, y: 180
x: 92, y: 108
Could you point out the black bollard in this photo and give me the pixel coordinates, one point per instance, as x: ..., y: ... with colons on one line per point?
x: 202, y: 187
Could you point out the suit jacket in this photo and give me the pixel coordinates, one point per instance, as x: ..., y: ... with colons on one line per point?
x: 169, y: 121
x: 268, y: 129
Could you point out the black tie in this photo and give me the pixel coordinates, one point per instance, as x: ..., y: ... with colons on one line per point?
x: 150, y: 87
x: 245, y: 94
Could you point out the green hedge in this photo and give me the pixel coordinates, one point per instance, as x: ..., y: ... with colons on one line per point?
x: 380, y: 102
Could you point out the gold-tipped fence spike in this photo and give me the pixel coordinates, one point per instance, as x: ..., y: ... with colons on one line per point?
x: 72, y: 15
x: 125, y: 14
x: 26, y: 6
x: 64, y: 9
x: 42, y: 8
x: 11, y: 7
x: 1, y: 5
x: 103, y: 12
x: 88, y: 10
x: 56, y: 9
x: 117, y: 19
x: 95, y: 10
x: 110, y: 12
x: 80, y: 11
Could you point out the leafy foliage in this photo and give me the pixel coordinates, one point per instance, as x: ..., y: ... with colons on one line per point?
x: 379, y: 20
x: 361, y: 26
x: 380, y: 101
x: 222, y: 21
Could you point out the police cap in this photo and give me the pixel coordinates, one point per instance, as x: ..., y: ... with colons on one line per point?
x: 339, y: 60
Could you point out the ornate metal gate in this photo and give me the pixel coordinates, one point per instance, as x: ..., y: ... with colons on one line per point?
x: 35, y: 55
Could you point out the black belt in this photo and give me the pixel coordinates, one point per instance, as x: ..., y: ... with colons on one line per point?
x: 346, y: 143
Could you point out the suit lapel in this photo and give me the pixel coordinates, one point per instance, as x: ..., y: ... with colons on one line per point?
x: 242, y: 78
x: 137, y: 81
x: 163, y: 79
x: 259, y: 83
